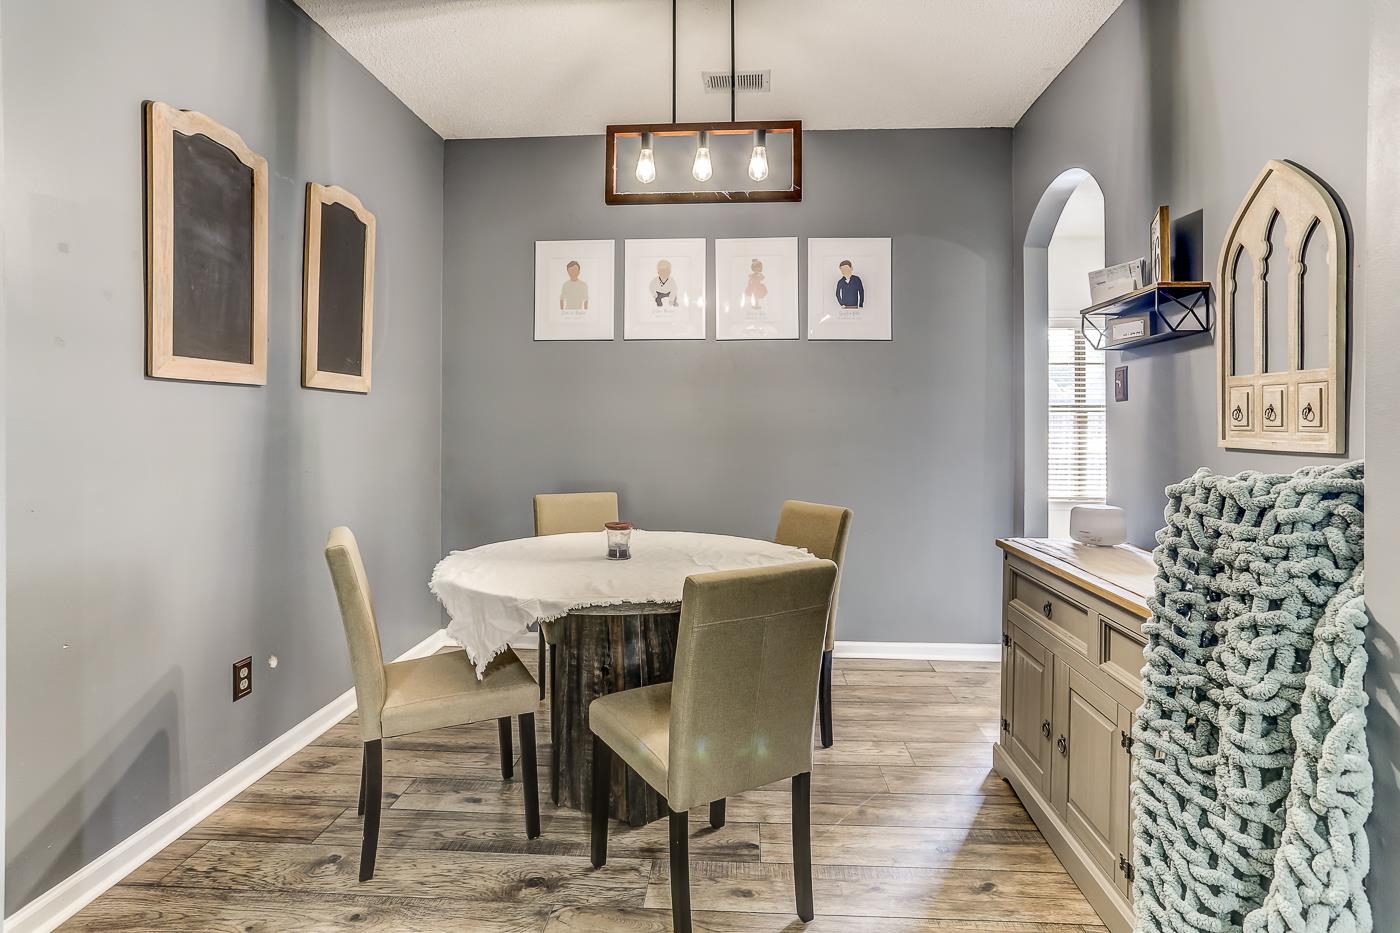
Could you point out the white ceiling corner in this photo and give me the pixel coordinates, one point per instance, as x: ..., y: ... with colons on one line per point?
x: 505, y: 68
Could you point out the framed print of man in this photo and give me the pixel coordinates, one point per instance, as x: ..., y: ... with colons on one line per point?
x: 850, y: 290
x: 849, y: 294
x: 574, y: 289
x: 573, y: 295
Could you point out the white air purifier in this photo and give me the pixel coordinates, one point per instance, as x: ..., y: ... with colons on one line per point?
x: 1099, y: 525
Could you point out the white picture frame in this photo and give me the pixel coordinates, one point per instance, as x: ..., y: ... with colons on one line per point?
x: 575, y: 303
x: 756, y: 289
x: 863, y: 310
x: 665, y: 289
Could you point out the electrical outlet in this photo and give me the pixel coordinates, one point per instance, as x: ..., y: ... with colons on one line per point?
x: 242, y: 678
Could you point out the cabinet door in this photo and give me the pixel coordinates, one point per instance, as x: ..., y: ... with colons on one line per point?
x: 1122, y: 805
x: 1084, y: 790
x: 1028, y: 680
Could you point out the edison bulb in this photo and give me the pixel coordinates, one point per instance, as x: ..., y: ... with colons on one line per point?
x: 646, y: 161
x: 702, y: 170
x: 758, y: 163
x: 646, y: 167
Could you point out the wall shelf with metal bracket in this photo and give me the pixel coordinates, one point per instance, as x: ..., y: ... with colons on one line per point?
x: 1158, y: 312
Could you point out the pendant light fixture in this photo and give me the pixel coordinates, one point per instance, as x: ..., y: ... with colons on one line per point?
x: 787, y: 186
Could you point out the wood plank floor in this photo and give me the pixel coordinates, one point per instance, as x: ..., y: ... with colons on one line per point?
x: 912, y: 833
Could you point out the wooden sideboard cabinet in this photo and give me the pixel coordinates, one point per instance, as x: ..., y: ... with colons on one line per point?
x: 1070, y: 683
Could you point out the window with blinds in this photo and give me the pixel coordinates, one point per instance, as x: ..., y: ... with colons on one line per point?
x: 1077, y: 441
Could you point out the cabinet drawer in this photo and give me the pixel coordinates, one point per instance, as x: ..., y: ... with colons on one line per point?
x: 1122, y: 657
x: 1053, y: 609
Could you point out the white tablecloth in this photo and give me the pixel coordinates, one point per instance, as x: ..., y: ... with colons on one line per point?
x: 497, y: 592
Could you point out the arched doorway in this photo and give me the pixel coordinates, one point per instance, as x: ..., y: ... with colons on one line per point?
x: 1064, y: 379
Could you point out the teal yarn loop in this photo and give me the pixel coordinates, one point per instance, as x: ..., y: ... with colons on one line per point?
x: 1252, y: 780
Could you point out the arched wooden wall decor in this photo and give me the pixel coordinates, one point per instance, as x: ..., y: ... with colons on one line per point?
x: 206, y: 250
x: 1293, y: 396
x: 337, y: 291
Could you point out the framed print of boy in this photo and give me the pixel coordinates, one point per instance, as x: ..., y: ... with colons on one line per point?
x: 573, y: 296
x: 850, y: 291
x: 664, y: 290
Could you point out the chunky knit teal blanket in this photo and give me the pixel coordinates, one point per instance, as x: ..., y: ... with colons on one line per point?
x: 1252, y: 779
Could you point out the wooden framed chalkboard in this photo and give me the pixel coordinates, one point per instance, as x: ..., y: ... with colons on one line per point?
x: 337, y: 291
x: 206, y: 250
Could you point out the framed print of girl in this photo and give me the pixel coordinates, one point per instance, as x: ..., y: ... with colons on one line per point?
x: 756, y: 289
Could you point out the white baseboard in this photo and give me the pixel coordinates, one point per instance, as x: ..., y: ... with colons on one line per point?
x: 919, y: 651
x: 75, y: 892
x: 898, y: 650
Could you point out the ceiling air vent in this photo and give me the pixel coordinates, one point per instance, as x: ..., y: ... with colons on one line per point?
x: 718, y: 81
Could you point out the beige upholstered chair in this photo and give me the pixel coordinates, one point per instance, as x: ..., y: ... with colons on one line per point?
x: 566, y: 513
x: 821, y: 529
x: 441, y: 690
x: 737, y: 716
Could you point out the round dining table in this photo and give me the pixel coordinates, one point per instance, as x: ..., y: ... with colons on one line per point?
x: 610, y: 625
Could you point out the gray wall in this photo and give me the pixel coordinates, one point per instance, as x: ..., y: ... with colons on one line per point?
x: 1382, y: 259
x: 913, y: 434
x: 1182, y: 103
x: 161, y: 530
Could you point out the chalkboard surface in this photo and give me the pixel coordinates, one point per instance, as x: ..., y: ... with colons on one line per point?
x: 212, y: 297
x: 340, y: 342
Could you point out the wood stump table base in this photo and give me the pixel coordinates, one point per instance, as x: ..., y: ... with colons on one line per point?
x: 596, y: 652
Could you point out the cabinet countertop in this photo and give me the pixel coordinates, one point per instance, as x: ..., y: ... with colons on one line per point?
x: 1123, y: 575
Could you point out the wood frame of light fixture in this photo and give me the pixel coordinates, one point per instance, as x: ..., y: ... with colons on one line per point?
x: 612, y: 196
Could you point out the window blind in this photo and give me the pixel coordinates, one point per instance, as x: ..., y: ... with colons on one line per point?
x: 1077, y: 440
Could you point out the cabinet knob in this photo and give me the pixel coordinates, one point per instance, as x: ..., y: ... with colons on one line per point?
x: 1048, y: 609
x: 1063, y: 745
x: 1045, y: 728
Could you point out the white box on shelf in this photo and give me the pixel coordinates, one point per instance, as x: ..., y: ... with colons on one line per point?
x: 1128, y: 328
x: 1116, y: 281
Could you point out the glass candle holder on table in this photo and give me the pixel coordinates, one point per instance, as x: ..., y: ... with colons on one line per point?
x: 619, y: 540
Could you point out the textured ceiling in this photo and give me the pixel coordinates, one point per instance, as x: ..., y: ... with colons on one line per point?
x: 500, y: 68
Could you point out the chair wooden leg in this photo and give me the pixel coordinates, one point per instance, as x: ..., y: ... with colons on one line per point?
x: 364, y: 776
x: 507, y: 753
x: 543, y: 652
x: 717, y: 813
x: 824, y: 699
x: 374, y: 794
x: 680, y: 871
x: 532, y: 775
x: 802, y: 843
x: 602, y: 779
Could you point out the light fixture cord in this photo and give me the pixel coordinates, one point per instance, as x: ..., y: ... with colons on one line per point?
x: 673, y: 60
x: 733, y: 80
